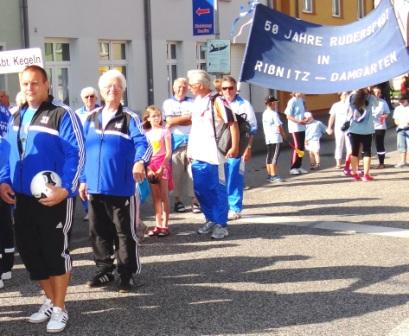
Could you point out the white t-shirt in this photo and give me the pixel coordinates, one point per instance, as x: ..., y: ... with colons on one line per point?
x: 176, y: 108
x: 271, y: 127
x: 378, y: 110
x: 340, y: 111
x: 295, y: 108
x: 202, y: 143
x: 106, y: 117
x: 240, y: 106
x: 401, y: 116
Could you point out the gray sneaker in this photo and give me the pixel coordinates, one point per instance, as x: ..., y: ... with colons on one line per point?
x: 207, y: 228
x: 219, y: 232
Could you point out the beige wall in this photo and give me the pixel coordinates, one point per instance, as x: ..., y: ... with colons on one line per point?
x: 10, y: 39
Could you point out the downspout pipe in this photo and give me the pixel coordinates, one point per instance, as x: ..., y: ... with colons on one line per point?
x: 24, y: 24
x: 148, y: 49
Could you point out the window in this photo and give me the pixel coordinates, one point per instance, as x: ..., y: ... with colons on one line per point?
x: 172, y: 51
x: 336, y: 8
x: 361, y: 9
x: 57, y: 65
x: 307, y: 6
x: 112, y: 55
x: 201, y: 49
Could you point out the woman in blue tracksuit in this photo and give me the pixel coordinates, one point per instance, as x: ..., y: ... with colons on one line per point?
x: 116, y: 154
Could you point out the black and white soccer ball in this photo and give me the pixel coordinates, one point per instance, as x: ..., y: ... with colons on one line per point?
x: 38, y: 186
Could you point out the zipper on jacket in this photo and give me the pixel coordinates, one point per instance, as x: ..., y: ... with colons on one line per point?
x: 100, y: 149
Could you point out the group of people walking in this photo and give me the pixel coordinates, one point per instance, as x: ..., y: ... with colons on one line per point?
x: 105, y: 153
x: 356, y: 120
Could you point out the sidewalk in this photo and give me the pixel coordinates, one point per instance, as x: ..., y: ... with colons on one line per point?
x: 317, y: 255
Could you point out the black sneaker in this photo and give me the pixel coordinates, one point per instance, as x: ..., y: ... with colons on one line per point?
x: 125, y: 284
x: 179, y: 207
x: 100, y: 279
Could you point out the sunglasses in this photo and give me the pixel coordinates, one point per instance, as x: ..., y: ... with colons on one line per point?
x: 228, y: 88
x: 89, y: 96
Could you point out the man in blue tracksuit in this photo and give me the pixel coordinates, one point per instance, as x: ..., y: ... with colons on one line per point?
x: 6, y: 228
x: 117, y: 152
x: 235, y: 167
x: 43, y: 135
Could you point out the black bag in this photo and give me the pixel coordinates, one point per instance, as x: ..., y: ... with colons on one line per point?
x: 345, y: 126
x: 223, y: 135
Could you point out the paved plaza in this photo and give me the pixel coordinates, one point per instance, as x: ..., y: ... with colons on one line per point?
x: 316, y: 255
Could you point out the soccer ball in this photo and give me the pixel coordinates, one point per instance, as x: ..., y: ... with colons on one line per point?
x: 38, y: 186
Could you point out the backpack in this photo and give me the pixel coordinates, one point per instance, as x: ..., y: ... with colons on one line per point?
x: 223, y: 136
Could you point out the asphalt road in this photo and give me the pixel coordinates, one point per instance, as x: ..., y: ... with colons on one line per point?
x: 316, y: 255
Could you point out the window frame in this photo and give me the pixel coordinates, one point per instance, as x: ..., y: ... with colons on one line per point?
x: 201, y: 63
x: 172, y: 63
x: 361, y: 9
x: 111, y: 63
x: 52, y: 67
x: 336, y: 8
x: 308, y: 6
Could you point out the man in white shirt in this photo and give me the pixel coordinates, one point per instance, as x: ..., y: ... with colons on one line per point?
x: 209, y: 115
x: 235, y: 166
x: 177, y: 114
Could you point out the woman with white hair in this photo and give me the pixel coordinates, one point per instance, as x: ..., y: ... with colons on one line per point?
x: 89, y: 97
x: 116, y: 154
x: 208, y: 115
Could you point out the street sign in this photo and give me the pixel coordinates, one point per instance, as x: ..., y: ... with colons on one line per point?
x: 12, y: 61
x: 218, y: 56
x: 203, y: 17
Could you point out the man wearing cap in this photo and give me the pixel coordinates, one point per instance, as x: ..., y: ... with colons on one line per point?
x: 273, y: 134
x: 401, y: 119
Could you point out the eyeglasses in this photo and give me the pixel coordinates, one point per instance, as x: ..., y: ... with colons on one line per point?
x: 89, y: 96
x: 194, y: 85
x: 228, y: 88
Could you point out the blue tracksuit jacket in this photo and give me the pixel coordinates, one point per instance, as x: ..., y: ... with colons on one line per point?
x: 54, y: 142
x: 112, y: 152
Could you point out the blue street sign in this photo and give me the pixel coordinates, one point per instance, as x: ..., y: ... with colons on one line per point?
x: 203, y: 17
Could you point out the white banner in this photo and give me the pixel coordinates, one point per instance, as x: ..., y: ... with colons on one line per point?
x: 12, y: 61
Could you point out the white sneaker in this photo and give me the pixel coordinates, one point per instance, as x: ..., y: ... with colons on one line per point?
x: 232, y: 215
x: 1, y: 284
x: 43, y: 313
x: 6, y: 276
x: 400, y: 165
x: 302, y: 171
x: 219, y: 232
x: 295, y: 171
x: 58, y: 320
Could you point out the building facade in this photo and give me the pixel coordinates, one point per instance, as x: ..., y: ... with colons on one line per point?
x: 150, y: 41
